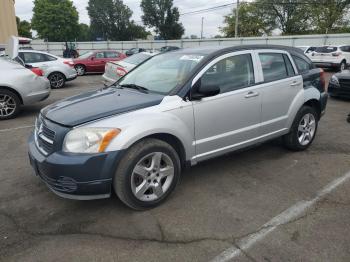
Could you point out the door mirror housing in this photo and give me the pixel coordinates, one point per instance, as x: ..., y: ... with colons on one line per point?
x: 200, y: 90
x: 92, y: 58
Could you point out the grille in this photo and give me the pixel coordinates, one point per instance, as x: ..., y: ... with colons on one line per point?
x: 44, y: 136
x: 344, y: 83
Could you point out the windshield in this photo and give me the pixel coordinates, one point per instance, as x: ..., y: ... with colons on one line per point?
x: 326, y: 49
x: 302, y: 48
x: 163, y: 73
x: 86, y: 55
x: 137, y: 58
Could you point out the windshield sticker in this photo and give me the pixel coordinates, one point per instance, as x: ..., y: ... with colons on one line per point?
x: 195, y: 58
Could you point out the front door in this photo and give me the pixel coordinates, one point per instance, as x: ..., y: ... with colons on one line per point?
x: 230, y: 119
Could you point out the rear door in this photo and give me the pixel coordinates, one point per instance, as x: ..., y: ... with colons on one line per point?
x: 280, y: 86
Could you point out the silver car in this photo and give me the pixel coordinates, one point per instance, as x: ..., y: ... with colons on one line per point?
x: 171, y: 112
x: 58, y: 70
x: 116, y: 69
x: 19, y: 86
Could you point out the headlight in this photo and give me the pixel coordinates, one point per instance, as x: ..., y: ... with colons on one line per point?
x: 334, y: 80
x: 89, y: 140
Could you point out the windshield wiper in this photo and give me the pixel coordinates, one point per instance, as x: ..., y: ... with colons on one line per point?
x: 133, y: 86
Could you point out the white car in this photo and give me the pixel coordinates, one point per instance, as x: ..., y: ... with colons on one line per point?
x: 19, y: 86
x: 58, y: 70
x: 116, y: 69
x: 331, y: 56
x: 307, y: 49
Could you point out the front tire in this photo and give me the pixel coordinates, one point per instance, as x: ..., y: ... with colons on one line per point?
x: 303, y: 130
x: 81, y: 70
x: 342, y: 66
x: 147, y: 174
x: 9, y: 104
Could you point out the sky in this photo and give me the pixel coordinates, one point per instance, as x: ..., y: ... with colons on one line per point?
x: 192, y: 23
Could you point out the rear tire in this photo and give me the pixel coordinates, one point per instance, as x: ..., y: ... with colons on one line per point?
x: 147, y: 174
x: 10, y: 104
x: 303, y: 130
x: 57, y: 80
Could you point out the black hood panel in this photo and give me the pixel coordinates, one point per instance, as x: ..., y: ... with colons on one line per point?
x: 93, y: 105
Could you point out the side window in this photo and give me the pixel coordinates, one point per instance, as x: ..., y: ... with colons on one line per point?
x: 345, y: 48
x: 301, y: 64
x: 273, y: 66
x: 231, y: 73
x: 34, y: 57
x: 50, y: 58
x: 111, y: 54
x: 290, y: 69
x: 99, y: 55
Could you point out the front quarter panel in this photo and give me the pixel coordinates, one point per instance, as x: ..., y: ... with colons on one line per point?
x: 172, y: 116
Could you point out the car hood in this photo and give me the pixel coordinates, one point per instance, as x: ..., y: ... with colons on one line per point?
x: 97, y: 104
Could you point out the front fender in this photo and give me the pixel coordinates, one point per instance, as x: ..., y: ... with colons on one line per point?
x: 139, y: 124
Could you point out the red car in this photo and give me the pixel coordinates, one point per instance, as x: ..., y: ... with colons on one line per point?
x: 94, y: 61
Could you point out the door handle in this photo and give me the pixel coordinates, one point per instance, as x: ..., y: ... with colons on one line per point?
x: 251, y: 94
x: 295, y: 84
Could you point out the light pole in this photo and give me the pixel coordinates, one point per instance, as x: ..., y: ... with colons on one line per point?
x: 202, y: 28
x: 236, y: 23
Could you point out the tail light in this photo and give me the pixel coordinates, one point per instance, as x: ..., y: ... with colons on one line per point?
x: 336, y: 54
x: 37, y: 71
x: 70, y: 63
x: 323, y: 79
x: 121, y: 71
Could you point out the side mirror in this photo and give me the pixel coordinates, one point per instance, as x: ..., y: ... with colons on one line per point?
x: 92, y: 58
x: 200, y: 90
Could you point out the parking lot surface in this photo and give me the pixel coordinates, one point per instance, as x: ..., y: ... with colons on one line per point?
x: 260, y: 204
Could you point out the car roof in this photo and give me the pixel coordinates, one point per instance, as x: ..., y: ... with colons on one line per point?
x: 217, y: 50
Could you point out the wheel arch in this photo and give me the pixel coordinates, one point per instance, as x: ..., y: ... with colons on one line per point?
x: 13, y: 91
x: 56, y: 71
x: 314, y: 103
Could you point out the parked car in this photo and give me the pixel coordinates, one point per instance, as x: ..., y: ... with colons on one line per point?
x: 339, y: 85
x: 95, y: 61
x: 332, y: 57
x: 133, y: 51
x: 58, y: 70
x: 117, y: 69
x: 20, y: 86
x: 168, y: 48
x: 308, y: 50
x: 173, y: 111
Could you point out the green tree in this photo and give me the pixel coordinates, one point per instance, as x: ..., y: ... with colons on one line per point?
x: 290, y: 16
x: 163, y: 17
x: 24, y: 28
x: 253, y: 21
x: 330, y: 16
x: 84, y: 33
x: 110, y: 19
x: 55, y: 20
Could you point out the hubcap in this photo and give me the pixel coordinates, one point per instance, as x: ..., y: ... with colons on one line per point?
x: 80, y: 70
x: 152, y: 176
x: 306, y: 129
x: 56, y: 80
x: 7, y: 105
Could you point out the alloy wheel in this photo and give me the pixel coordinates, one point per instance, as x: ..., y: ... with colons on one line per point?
x: 7, y: 105
x: 152, y: 176
x: 80, y: 70
x: 306, y: 129
x: 56, y: 80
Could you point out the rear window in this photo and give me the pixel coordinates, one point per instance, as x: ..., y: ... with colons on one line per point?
x: 137, y: 58
x: 273, y: 65
x: 326, y: 49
